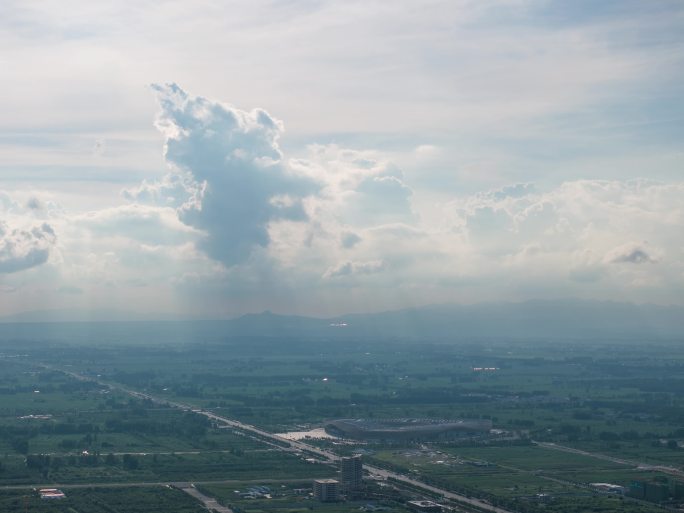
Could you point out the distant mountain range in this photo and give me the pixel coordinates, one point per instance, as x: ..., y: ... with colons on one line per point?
x: 549, y: 319
x: 566, y: 319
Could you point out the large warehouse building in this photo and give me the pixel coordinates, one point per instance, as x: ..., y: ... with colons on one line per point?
x: 406, y: 429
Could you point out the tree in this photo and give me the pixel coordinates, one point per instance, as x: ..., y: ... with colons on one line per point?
x: 21, y: 445
x: 130, y: 462
x: 609, y: 436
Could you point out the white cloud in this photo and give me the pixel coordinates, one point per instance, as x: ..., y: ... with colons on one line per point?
x: 146, y: 224
x: 239, y: 184
x: 354, y: 268
x: 493, y: 146
x: 172, y: 190
x: 236, y: 220
x: 22, y: 249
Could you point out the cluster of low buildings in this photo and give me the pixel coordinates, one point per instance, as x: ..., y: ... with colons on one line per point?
x: 350, y: 484
x: 610, y: 487
x: 426, y: 506
x: 654, y: 490
x: 256, y: 492
x: 51, y: 493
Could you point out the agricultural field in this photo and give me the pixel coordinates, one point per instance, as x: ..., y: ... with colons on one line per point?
x: 509, y: 472
x: 156, y: 499
x: 79, y: 432
x: 70, y: 418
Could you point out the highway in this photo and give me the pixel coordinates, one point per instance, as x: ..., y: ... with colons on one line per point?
x: 332, y: 457
x: 209, y: 502
x: 292, y: 445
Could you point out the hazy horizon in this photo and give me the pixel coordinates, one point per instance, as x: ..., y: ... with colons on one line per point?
x: 118, y: 315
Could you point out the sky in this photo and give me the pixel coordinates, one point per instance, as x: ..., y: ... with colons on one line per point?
x: 208, y: 159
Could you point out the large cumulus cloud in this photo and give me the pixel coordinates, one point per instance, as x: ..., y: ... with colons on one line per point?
x: 230, y: 181
x: 232, y: 173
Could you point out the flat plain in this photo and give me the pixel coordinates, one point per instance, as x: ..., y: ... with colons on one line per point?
x: 69, y: 416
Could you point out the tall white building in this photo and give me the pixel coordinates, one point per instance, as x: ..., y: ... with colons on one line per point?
x: 351, y: 470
